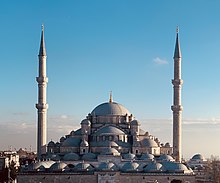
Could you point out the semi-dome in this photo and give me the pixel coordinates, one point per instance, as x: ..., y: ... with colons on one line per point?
x: 74, y: 142
x: 109, y: 130
x: 110, y: 108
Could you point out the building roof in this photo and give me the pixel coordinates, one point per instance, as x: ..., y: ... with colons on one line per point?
x: 110, y: 108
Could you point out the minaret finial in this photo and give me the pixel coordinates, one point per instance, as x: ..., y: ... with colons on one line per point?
x: 110, y: 97
x: 177, y: 29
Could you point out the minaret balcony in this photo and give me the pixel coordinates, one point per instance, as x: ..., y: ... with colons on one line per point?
x: 176, y: 108
x: 177, y: 82
x: 42, y: 79
x: 42, y: 106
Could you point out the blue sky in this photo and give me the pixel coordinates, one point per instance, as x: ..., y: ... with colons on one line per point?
x: 125, y: 46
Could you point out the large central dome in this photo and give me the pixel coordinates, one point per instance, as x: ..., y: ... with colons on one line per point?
x: 110, y: 108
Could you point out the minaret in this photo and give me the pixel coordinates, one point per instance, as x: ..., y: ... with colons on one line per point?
x: 177, y: 107
x: 42, y: 105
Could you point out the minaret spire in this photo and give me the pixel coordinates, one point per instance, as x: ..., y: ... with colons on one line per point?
x: 177, y: 52
x: 177, y: 107
x: 42, y: 51
x: 42, y: 105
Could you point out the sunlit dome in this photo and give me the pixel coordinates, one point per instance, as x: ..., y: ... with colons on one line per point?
x: 198, y: 157
x: 110, y: 108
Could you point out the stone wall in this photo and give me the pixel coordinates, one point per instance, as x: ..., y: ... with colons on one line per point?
x: 102, y: 177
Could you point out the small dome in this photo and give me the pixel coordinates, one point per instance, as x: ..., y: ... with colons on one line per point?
x: 130, y: 167
x: 165, y: 157
x: 62, y: 139
x: 135, y: 123
x: 71, y: 157
x: 167, y: 145
x: 107, y: 167
x: 85, y: 122
x: 72, y: 142
x: 84, y: 143
x: 51, y: 144
x: 40, y: 166
x: 110, y: 108
x: 83, y: 167
x: 89, y: 156
x: 58, y: 167
x: 149, y: 143
x: 153, y: 167
x: 175, y: 167
x: 129, y: 156
x: 147, y: 157
x: 198, y: 157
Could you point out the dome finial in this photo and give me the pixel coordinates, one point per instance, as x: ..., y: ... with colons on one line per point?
x: 110, y: 97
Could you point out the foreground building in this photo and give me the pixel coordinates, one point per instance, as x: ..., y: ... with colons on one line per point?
x: 110, y: 146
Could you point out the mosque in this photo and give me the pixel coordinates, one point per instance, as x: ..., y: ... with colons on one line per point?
x: 110, y: 146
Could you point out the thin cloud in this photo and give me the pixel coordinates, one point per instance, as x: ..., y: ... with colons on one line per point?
x: 160, y: 61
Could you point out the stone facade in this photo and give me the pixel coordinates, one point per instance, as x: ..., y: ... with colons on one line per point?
x: 105, y: 177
